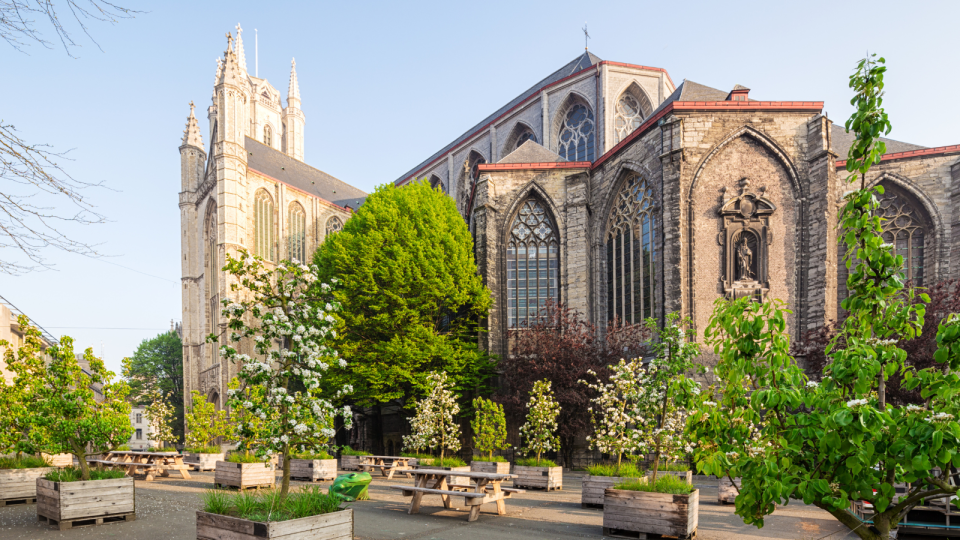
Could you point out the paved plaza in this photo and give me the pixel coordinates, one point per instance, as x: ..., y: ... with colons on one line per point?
x: 166, y: 510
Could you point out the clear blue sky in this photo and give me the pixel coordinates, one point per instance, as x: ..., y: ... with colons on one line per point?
x: 386, y: 84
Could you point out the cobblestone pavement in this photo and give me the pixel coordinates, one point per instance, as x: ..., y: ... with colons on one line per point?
x: 166, y: 510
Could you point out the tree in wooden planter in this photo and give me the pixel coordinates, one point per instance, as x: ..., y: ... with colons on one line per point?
x: 435, y: 420
x: 539, y: 434
x: 160, y: 417
x: 668, y: 507
x: 839, y: 440
x: 289, y: 321
x: 204, y: 425
x: 489, y: 434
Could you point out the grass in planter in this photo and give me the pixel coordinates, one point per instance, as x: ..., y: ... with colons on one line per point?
x: 73, y: 474
x: 532, y: 462
x: 664, y: 484
x: 203, y: 450
x: 307, y: 455
x: 164, y: 449
x: 673, y: 467
x: 415, y: 455
x: 265, y: 506
x: 488, y: 459
x: 23, y: 462
x: 449, y: 462
x: 626, y: 470
x: 347, y: 451
x: 244, y: 457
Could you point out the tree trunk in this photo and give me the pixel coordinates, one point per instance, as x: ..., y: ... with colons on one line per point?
x: 285, y: 483
x: 81, y: 454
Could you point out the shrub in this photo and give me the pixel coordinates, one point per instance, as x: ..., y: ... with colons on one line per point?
x: 534, y: 462
x: 74, y: 474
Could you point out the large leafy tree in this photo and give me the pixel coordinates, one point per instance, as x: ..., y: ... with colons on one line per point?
x: 157, y: 368
x: 411, y: 297
x: 839, y: 440
x: 17, y: 397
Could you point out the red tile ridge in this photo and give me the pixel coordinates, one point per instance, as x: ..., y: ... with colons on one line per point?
x: 527, y: 166
x: 913, y: 153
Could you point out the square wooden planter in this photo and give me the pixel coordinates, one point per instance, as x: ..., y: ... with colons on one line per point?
x: 313, y: 470
x: 686, y: 476
x: 332, y: 526
x: 71, y: 504
x: 728, y: 493
x: 650, y: 513
x: 19, y: 486
x: 499, y: 467
x: 244, y: 475
x: 594, y: 486
x: 548, y: 478
x: 203, y: 462
x: 350, y: 463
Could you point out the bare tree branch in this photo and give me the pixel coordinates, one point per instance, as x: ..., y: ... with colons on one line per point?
x: 18, y: 24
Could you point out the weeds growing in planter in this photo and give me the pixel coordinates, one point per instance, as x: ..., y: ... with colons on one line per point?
x: 163, y: 449
x: 675, y: 467
x: 416, y: 455
x: 244, y: 457
x: 203, y: 450
x: 313, y: 455
x: 534, y: 462
x: 449, y: 462
x: 490, y: 459
x: 347, y: 451
x: 624, y: 470
x: 664, y: 484
x: 23, y: 462
x: 74, y: 474
x: 269, y: 505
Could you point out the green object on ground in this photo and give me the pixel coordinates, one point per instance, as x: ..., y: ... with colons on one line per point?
x: 352, y: 487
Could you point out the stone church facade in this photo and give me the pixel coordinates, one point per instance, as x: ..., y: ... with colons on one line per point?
x: 608, y: 188
x: 248, y: 190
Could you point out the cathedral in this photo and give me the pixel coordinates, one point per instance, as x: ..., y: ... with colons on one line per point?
x: 605, y: 186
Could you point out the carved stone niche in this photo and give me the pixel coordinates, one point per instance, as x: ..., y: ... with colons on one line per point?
x: 745, y: 240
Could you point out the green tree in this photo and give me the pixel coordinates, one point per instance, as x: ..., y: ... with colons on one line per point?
x: 836, y: 441
x: 157, y: 366
x: 411, y: 296
x: 17, y: 398
x: 68, y: 416
x: 489, y: 426
x: 160, y: 415
x: 205, y: 424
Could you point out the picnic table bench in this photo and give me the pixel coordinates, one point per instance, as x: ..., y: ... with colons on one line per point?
x: 145, y: 463
x: 387, y: 464
x: 487, y: 489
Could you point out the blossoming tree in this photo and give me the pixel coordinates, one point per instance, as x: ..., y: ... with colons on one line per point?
x: 489, y: 426
x: 419, y: 436
x: 837, y: 441
x: 160, y: 415
x: 279, y: 385
x: 617, y: 410
x: 205, y: 423
x: 540, y: 429
x: 435, y: 425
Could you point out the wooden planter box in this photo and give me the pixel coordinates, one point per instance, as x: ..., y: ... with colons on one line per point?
x: 650, y: 513
x: 203, y: 462
x: 499, y: 467
x: 332, y: 526
x: 313, y: 470
x: 59, y: 460
x: 244, y: 475
x: 350, y: 463
x: 686, y: 476
x: 594, y: 486
x: 19, y: 486
x: 728, y: 493
x: 548, y: 478
x: 70, y: 504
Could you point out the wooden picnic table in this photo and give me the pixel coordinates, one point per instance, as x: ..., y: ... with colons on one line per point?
x: 486, y: 489
x: 387, y: 464
x: 145, y: 463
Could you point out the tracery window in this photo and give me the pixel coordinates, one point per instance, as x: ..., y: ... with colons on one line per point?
x: 334, y: 224
x: 297, y: 233
x: 211, y: 278
x: 263, y: 225
x: 628, y: 117
x: 533, y: 255
x: 267, y: 136
x: 576, y: 139
x: 904, y: 227
x: 631, y: 265
x: 525, y: 135
x: 471, y: 172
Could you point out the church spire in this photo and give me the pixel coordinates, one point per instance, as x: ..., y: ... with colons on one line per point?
x: 230, y: 72
x: 293, y: 92
x: 191, y: 134
x: 241, y: 57
x: 292, y: 118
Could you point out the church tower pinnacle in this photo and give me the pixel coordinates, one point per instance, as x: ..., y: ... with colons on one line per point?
x: 241, y: 57
x: 192, y: 156
x: 293, y: 119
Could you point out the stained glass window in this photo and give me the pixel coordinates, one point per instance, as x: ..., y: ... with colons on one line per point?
x: 628, y: 117
x: 576, y: 138
x: 631, y: 268
x: 334, y: 224
x: 525, y: 135
x: 533, y: 264
x: 297, y: 233
x: 263, y: 225
x: 904, y: 228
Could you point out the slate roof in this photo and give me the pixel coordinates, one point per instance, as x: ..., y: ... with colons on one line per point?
x: 841, y: 141
x: 531, y: 152
x: 298, y: 174
x: 691, y: 91
x: 579, y: 63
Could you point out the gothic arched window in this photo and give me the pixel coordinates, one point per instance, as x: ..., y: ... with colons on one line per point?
x: 267, y: 136
x: 631, y: 269
x: 904, y: 226
x: 533, y: 255
x: 297, y: 233
x: 468, y: 181
x: 211, y: 275
x: 334, y: 224
x: 524, y: 136
x: 435, y: 183
x: 629, y: 116
x: 576, y: 138
x: 263, y: 225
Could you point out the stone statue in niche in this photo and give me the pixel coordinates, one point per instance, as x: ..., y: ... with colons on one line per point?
x: 745, y: 238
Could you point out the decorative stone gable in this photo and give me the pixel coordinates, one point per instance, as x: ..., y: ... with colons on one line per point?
x: 745, y: 239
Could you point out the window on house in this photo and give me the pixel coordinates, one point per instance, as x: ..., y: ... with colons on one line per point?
x: 139, y: 434
x: 263, y: 225
x: 139, y: 418
x: 631, y: 270
x: 297, y: 233
x: 533, y: 255
x: 576, y: 138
